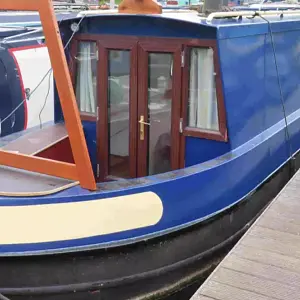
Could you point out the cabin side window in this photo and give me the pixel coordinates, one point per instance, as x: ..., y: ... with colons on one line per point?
x: 202, y: 110
x: 86, y: 78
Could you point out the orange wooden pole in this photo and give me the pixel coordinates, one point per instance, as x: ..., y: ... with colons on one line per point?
x: 64, y: 87
x: 66, y: 95
x: 39, y: 165
x: 19, y: 4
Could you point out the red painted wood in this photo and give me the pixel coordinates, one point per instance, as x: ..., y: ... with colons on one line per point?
x: 61, y: 151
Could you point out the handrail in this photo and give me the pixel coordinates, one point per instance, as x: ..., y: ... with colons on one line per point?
x: 70, y: 6
x: 13, y: 37
x: 250, y: 13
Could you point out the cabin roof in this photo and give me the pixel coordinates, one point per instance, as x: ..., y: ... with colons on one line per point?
x: 226, y: 27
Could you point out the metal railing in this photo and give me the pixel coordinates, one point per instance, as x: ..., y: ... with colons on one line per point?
x: 236, y: 14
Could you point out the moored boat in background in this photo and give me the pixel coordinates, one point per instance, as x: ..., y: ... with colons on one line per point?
x: 24, y: 61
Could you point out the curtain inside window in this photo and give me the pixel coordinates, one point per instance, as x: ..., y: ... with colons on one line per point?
x: 86, y: 77
x: 203, y: 109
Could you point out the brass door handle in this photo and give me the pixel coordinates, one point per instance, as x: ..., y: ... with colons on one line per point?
x: 141, y: 121
x: 142, y: 127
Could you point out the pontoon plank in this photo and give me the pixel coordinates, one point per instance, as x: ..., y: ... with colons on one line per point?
x: 265, y: 263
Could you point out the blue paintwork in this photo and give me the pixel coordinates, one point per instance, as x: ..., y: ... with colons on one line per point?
x: 200, y: 150
x: 89, y: 129
x: 218, y: 174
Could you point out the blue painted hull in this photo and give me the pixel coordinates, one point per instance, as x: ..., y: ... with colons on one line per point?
x: 213, y: 187
x: 194, y: 233
x: 153, y: 268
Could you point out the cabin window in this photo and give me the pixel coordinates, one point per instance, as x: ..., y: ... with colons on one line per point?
x: 86, y: 78
x: 202, y: 99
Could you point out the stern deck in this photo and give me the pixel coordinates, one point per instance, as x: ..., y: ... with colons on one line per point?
x: 16, y: 182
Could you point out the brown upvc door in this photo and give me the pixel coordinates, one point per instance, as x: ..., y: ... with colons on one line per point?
x: 139, y: 106
x: 159, y: 75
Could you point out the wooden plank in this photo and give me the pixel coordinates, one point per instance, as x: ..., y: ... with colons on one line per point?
x: 287, y: 216
x: 267, y: 257
x: 255, y: 284
x: 37, y: 141
x: 276, y: 246
x: 274, y: 273
x: 280, y: 225
x: 275, y: 235
x: 217, y: 290
x: 285, y: 209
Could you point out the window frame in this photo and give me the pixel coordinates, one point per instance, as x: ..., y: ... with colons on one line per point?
x: 217, y: 135
x: 74, y: 67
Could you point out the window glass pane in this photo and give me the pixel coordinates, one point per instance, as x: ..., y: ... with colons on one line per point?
x: 202, y: 104
x: 118, y: 112
x: 86, y: 81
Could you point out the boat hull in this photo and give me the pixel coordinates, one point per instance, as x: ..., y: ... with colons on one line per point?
x: 150, y: 269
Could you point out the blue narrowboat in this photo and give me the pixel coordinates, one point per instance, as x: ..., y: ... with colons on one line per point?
x: 182, y: 130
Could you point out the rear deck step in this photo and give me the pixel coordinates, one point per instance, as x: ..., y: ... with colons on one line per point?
x: 37, y: 141
x: 20, y: 183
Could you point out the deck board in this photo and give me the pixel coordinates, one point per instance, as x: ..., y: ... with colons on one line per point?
x: 36, y: 141
x: 24, y: 183
x: 265, y: 263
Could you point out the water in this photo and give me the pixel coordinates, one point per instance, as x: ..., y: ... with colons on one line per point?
x: 186, y: 293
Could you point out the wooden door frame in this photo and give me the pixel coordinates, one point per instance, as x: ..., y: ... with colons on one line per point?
x: 157, y: 45
x: 140, y: 46
x: 105, y: 44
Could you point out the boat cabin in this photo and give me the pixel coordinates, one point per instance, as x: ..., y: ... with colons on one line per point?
x: 150, y: 95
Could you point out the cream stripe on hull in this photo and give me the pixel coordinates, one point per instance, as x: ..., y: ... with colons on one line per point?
x: 75, y: 220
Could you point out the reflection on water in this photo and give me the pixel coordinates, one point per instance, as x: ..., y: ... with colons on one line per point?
x: 186, y: 293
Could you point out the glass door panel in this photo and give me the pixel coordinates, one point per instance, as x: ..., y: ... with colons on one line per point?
x: 158, y: 108
x: 118, y: 113
x: 159, y: 112
x: 117, y: 108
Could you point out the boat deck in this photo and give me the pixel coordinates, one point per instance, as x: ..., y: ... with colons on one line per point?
x: 265, y: 263
x: 16, y: 182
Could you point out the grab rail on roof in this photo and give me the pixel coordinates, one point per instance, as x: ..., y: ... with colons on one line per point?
x: 16, y: 37
x: 233, y: 14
